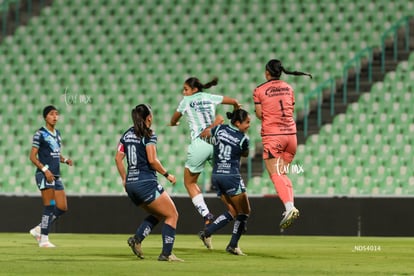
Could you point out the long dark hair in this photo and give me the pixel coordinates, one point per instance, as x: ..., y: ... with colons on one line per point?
x: 194, y: 82
x: 139, y: 114
x: 275, y: 69
x: 238, y: 115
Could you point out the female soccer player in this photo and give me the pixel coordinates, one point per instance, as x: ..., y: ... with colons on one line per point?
x: 200, y: 109
x: 46, y: 156
x: 138, y: 145
x: 274, y: 105
x: 230, y: 143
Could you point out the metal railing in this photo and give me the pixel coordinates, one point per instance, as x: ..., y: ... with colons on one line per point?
x: 355, y: 63
x: 10, y: 12
x: 317, y: 94
x: 393, y: 31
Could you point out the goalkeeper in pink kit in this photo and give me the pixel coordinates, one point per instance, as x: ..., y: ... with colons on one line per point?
x: 274, y: 105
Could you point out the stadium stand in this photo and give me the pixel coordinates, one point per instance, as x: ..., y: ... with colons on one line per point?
x: 95, y: 60
x: 367, y: 150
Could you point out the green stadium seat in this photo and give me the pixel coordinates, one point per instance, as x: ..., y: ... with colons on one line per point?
x: 409, y: 185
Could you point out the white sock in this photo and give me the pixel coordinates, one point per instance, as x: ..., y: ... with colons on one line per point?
x: 200, y: 205
x: 44, y: 238
x: 289, y: 206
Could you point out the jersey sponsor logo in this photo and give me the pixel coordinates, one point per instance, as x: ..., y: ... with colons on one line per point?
x: 276, y: 91
x: 223, y: 167
x: 223, y: 135
x: 130, y: 137
x: 201, y: 105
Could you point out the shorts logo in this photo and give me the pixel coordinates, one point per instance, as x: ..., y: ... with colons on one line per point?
x: 279, y: 148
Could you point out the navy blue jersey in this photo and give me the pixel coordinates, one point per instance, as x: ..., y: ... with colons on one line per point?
x: 134, y: 149
x: 49, y: 145
x: 229, y: 143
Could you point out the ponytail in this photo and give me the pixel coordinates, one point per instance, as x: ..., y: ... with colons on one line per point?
x: 275, y: 69
x: 239, y: 115
x: 139, y: 114
x: 296, y: 73
x: 211, y: 83
x: 194, y: 82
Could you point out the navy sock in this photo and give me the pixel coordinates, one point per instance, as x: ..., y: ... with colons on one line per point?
x: 218, y: 223
x: 146, y: 227
x: 57, y: 213
x: 168, y: 237
x: 46, y: 219
x: 238, y: 229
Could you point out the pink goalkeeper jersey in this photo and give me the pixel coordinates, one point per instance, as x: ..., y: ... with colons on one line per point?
x: 277, y: 100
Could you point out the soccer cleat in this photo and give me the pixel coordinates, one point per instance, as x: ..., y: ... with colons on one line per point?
x: 206, y: 240
x: 170, y: 258
x: 35, y: 232
x: 46, y: 244
x: 288, y: 218
x: 136, y: 247
x: 235, y: 251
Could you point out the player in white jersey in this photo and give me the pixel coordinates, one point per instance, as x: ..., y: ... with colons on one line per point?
x: 200, y: 109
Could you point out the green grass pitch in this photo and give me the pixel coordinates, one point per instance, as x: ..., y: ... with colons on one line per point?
x: 98, y: 254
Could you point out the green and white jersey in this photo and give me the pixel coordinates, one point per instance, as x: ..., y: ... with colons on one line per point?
x: 200, y: 109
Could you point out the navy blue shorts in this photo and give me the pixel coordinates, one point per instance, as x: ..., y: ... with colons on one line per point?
x: 228, y: 184
x: 144, y: 191
x: 43, y: 184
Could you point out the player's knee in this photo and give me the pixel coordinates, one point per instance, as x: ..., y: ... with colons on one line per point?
x: 63, y: 208
x: 233, y: 212
x: 172, y: 215
x: 248, y: 211
x: 176, y: 215
x: 171, y: 220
